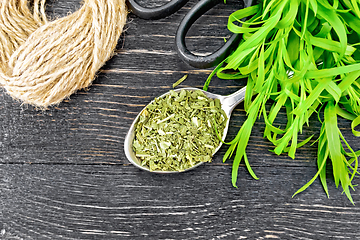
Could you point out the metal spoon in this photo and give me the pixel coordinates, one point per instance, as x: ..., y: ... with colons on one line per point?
x: 228, y: 103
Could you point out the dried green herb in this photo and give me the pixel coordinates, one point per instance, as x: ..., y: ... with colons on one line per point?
x: 178, y: 82
x: 177, y: 131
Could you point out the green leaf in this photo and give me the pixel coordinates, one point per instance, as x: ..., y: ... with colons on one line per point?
x: 329, y: 72
x: 284, y: 141
x: 334, y: 90
x: 332, y: 18
x: 314, y: 95
x: 240, y: 14
x: 333, y: 141
x: 322, y: 156
x: 240, y: 150
x: 324, y: 31
x: 300, y: 144
x: 338, y: 160
x: 320, y: 171
x: 290, y: 15
x: 293, y: 47
x: 255, y: 39
x: 314, y: 6
x: 354, y: 159
x: 330, y: 45
x: 247, y: 164
x: 355, y: 123
x: 345, y: 114
x: 349, y: 79
x: 352, y: 21
x: 305, y: 56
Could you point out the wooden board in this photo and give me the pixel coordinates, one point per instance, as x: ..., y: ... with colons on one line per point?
x: 48, y: 201
x: 64, y: 174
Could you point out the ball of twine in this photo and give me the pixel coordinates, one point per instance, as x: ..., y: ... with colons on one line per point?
x: 41, y: 61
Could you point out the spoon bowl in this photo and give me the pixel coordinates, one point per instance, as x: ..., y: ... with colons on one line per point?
x: 228, y: 103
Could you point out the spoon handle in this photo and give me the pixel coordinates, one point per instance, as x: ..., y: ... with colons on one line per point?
x: 231, y: 101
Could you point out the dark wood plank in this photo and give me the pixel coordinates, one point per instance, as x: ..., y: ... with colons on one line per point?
x: 113, y: 202
x: 64, y: 175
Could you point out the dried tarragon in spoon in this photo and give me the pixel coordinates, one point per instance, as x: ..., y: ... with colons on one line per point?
x: 177, y: 131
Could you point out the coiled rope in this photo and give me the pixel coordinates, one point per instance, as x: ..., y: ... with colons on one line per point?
x: 43, y: 62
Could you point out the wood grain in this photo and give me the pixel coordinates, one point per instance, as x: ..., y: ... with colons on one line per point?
x: 116, y: 202
x: 64, y: 174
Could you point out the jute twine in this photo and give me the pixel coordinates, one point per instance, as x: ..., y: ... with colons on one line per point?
x: 43, y: 62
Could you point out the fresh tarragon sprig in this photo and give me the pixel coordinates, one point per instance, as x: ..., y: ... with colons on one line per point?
x: 302, y: 56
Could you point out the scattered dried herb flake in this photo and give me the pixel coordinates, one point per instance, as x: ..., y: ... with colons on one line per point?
x: 177, y: 131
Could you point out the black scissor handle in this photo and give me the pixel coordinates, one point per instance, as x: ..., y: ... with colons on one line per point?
x: 158, y: 12
x: 219, y: 55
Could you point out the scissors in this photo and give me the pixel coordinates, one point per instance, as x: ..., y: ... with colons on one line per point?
x: 195, y: 13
